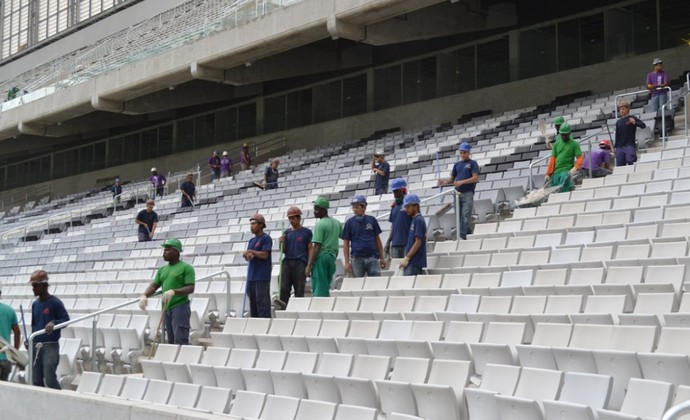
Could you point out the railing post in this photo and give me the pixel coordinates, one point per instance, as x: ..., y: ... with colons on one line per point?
x: 458, y: 216
x: 663, y: 126
x: 94, y: 339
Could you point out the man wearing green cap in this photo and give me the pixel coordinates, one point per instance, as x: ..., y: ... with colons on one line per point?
x: 177, y: 279
x: 321, y: 264
x: 565, y: 162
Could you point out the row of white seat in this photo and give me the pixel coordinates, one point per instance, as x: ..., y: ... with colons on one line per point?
x: 220, y: 401
x: 633, y: 274
x: 549, y: 252
x: 420, y: 307
x: 366, y: 380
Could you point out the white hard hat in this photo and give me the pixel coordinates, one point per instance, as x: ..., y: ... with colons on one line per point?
x: 225, y: 153
x: 154, y: 169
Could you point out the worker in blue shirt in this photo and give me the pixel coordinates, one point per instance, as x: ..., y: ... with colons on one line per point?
x: 47, y: 311
x: 414, y: 261
x: 362, y: 245
x: 400, y: 221
x: 464, y: 178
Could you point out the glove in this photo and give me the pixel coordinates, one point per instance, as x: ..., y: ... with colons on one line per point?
x: 404, y: 262
x: 143, y: 302
x: 573, y: 172
x: 167, y: 295
x: 49, y: 327
x: 547, y: 179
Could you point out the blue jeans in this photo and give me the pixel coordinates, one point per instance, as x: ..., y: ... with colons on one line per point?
x: 215, y: 175
x: 466, y: 207
x: 412, y: 271
x: 368, y: 266
x: 46, y: 359
x: 397, y: 251
x: 657, y: 102
x: 177, y: 324
x: 259, y: 293
x: 381, y: 190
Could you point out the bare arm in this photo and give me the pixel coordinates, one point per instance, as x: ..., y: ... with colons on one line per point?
x: 312, y: 257
x: 151, y: 289
x: 379, y: 248
x: 346, y: 254
x: 17, y: 335
x: 153, y: 229
x: 185, y: 291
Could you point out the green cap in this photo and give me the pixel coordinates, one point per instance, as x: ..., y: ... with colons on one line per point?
x: 322, y: 202
x: 558, y: 120
x: 565, y: 129
x: 173, y: 243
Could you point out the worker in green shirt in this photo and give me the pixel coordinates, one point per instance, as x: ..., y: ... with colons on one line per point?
x: 566, y: 160
x: 321, y: 264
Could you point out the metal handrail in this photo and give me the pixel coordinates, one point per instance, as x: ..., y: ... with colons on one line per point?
x: 541, y: 159
x: 441, y: 194
x: 687, y: 97
x: 135, y: 192
x: 676, y: 411
x: 615, y: 104
x: 4, y: 235
x: 228, y: 280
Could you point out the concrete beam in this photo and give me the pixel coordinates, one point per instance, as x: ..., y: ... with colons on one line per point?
x: 340, y: 29
x: 43, y: 130
x: 107, y: 105
x: 202, y: 72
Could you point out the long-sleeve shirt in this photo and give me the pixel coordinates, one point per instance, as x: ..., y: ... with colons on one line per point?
x: 625, y: 131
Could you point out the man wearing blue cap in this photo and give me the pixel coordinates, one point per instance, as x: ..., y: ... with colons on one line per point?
x: 362, y: 245
x: 177, y: 279
x: 464, y: 177
x: 400, y: 221
x: 415, y: 249
x: 382, y: 171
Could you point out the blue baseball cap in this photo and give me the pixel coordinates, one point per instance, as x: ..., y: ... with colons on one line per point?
x: 358, y: 199
x: 398, y: 184
x: 411, y: 199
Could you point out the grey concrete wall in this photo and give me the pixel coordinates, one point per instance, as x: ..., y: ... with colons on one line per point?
x: 106, y: 27
x: 599, y: 78
x: 25, y: 402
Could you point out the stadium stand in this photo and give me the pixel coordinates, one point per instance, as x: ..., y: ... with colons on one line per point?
x: 576, y: 308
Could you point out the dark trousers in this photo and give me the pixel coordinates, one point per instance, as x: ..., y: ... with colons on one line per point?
x: 259, y: 293
x: 292, y: 276
x: 177, y: 324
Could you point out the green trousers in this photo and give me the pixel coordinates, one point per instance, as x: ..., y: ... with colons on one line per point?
x: 322, y: 274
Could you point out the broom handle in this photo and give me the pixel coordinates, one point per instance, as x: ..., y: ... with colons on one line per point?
x: 438, y: 175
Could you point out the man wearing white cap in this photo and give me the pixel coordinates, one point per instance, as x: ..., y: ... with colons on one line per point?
x: 657, y: 80
x: 158, y: 181
x: 225, y: 165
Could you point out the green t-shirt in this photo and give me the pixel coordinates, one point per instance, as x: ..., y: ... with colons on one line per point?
x: 8, y: 318
x: 175, y: 277
x: 565, y: 153
x: 327, y: 232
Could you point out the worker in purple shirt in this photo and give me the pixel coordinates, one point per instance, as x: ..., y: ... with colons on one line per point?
x: 225, y: 165
x: 657, y: 81
x: 598, y: 160
x: 214, y: 165
x: 245, y: 157
x: 158, y: 181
